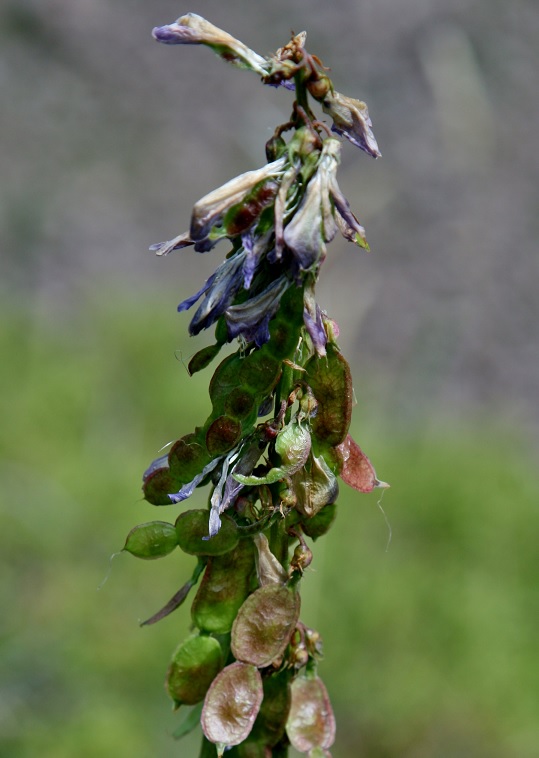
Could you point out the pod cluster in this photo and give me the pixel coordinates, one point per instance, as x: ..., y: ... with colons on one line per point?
x: 277, y: 438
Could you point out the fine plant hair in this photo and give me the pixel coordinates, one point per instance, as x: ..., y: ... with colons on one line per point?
x: 277, y: 439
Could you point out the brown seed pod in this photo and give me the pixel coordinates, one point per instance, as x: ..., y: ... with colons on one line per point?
x: 264, y: 624
x: 311, y: 723
x: 231, y: 705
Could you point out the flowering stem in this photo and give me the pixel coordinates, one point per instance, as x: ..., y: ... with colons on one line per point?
x: 273, y: 479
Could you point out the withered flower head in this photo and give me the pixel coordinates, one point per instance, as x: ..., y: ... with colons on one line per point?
x: 351, y: 120
x: 192, y: 29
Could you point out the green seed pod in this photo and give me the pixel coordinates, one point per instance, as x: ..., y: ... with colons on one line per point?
x: 310, y: 723
x: 224, y: 380
x: 320, y: 523
x: 194, y: 666
x: 187, y: 457
x: 331, y: 382
x: 242, y: 403
x: 192, y: 528
x: 152, y: 540
x: 231, y: 705
x: 203, y: 358
x: 264, y: 624
x: 259, y: 372
x: 223, y: 589
x: 158, y: 485
x: 222, y: 434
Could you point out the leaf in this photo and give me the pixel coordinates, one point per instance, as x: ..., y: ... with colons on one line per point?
x: 190, y: 722
x: 231, y: 705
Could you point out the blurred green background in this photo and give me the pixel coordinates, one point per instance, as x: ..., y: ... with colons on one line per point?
x: 107, y: 140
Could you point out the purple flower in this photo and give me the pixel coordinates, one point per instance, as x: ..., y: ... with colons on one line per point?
x: 251, y: 318
x: 221, y: 289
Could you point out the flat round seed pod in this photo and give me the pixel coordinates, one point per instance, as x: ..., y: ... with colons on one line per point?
x: 194, y: 666
x: 152, y: 540
x: 311, y: 723
x: 158, y: 485
x: 264, y: 625
x: 232, y: 704
x: 192, y: 527
x: 223, y: 589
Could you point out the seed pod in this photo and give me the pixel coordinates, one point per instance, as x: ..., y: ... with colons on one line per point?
x: 203, y: 358
x: 158, y: 485
x: 187, y: 457
x: 192, y: 529
x: 315, y: 486
x: 223, y: 589
x: 264, y: 624
x: 310, y: 723
x: 194, y: 666
x: 222, y: 434
x: 231, y: 705
x: 152, y: 540
x: 357, y: 470
x: 331, y: 382
x: 319, y: 524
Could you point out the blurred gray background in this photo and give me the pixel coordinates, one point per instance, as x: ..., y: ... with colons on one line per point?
x: 107, y: 140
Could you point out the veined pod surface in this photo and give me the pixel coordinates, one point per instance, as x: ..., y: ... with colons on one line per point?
x: 231, y: 705
x: 193, y: 667
x: 152, y: 540
x: 223, y: 589
x: 311, y: 723
x: 192, y: 528
x: 331, y: 382
x: 264, y: 624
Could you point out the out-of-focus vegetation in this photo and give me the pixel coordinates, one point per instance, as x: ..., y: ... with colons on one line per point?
x: 431, y: 644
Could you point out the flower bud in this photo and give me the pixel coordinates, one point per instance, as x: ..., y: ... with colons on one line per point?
x: 192, y: 29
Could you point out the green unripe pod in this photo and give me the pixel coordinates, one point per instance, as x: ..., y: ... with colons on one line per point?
x: 194, y: 666
x: 192, y: 528
x: 152, y: 540
x: 331, y: 382
x: 223, y: 589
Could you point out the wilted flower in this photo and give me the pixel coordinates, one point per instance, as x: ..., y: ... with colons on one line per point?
x: 351, y: 120
x: 192, y: 29
x: 251, y: 318
x: 220, y: 289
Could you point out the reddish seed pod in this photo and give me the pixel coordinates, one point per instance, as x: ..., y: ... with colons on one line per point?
x: 311, y: 723
x: 264, y: 625
x: 231, y: 705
